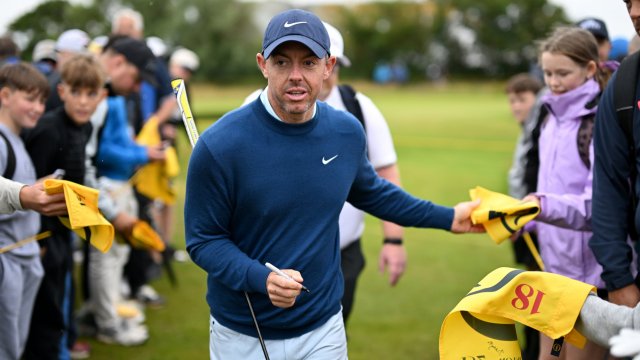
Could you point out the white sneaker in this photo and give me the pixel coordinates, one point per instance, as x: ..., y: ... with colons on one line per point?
x: 124, y: 336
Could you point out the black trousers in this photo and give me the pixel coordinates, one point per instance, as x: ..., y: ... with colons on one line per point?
x: 352, y: 263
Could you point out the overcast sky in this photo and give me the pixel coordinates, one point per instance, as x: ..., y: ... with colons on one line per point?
x: 612, y: 12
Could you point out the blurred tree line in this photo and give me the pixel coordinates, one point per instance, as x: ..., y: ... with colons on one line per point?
x: 432, y: 39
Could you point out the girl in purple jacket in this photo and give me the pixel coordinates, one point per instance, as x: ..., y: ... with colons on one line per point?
x: 569, y: 60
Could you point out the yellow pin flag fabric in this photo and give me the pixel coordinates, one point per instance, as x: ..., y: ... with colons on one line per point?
x: 482, y: 325
x: 144, y: 237
x: 501, y: 215
x: 153, y: 180
x: 84, y: 217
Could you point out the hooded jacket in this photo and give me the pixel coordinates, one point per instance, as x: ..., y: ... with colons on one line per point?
x: 565, y: 187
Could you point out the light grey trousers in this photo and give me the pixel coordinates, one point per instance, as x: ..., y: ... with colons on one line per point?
x: 19, y: 282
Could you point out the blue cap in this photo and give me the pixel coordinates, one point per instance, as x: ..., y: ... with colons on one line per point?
x: 296, y: 25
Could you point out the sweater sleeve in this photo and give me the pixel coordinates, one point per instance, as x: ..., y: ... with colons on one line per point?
x: 9, y: 196
x: 116, y: 147
x: 611, y: 198
x: 207, y: 215
x: 569, y: 211
x: 389, y: 202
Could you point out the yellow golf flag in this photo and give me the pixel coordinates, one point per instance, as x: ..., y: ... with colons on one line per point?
x: 482, y: 325
x: 501, y: 215
x: 154, y: 179
x: 84, y: 217
x: 144, y: 237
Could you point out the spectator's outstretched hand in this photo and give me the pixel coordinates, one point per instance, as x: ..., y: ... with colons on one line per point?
x: 33, y: 197
x: 462, y: 218
x: 626, y: 343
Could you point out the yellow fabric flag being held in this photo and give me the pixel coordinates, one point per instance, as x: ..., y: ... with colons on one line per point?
x: 501, y: 215
x: 482, y: 325
x: 153, y: 180
x: 84, y: 217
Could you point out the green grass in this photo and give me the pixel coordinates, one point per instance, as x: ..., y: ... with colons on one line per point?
x: 449, y: 140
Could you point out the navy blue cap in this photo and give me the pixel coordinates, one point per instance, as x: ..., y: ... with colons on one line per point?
x: 596, y: 27
x: 296, y: 25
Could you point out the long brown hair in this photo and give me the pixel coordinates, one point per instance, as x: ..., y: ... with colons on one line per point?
x: 580, y: 46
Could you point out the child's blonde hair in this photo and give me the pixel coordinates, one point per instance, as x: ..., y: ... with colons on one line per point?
x: 82, y: 72
x: 579, y: 45
x: 24, y: 77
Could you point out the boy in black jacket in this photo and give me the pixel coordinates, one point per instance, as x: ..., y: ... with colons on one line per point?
x: 58, y: 142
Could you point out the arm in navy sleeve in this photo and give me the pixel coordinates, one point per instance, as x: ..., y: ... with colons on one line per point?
x: 389, y: 202
x: 611, y: 196
x: 207, y: 216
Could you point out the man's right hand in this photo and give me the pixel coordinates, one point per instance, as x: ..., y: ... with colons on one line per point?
x: 628, y: 295
x: 283, y: 292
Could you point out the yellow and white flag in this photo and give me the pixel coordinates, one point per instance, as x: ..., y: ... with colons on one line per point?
x: 84, y: 217
x: 482, y: 325
x: 501, y: 215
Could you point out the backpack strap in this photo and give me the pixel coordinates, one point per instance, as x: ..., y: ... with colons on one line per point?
x: 348, y: 95
x: 533, y: 157
x: 585, y: 134
x: 624, y: 94
x: 10, y: 169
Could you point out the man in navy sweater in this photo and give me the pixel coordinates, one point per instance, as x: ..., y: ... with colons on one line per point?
x: 266, y: 183
x: 611, y: 195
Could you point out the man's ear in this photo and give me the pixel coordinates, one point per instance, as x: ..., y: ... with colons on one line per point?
x: 329, y: 65
x: 262, y: 64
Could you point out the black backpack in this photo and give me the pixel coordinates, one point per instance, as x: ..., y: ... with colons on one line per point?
x: 624, y: 94
x: 10, y: 170
x: 348, y: 95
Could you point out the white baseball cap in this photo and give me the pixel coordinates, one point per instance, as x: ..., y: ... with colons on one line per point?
x: 44, y: 49
x: 157, y: 46
x: 185, y: 58
x: 74, y: 40
x: 337, y: 45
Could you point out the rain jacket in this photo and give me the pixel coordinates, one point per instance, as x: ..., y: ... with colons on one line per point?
x: 565, y: 187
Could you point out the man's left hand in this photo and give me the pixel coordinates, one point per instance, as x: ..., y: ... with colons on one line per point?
x: 393, y: 257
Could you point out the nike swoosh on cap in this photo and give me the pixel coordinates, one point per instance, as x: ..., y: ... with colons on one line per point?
x: 288, y: 24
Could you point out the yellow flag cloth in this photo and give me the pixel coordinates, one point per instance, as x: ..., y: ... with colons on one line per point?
x: 84, y: 217
x: 501, y: 215
x: 154, y: 179
x: 144, y: 237
x: 482, y: 325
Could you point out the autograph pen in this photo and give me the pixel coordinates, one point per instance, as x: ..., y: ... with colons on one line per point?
x: 279, y: 272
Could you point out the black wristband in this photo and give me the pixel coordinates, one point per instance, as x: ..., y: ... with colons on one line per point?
x: 393, y: 241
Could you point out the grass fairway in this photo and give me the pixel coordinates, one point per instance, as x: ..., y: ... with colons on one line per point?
x: 449, y: 140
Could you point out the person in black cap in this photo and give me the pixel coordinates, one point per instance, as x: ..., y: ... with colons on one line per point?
x: 266, y: 183
x: 599, y: 30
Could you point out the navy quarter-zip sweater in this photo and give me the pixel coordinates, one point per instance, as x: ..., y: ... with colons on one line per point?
x: 611, y: 200
x: 261, y: 190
